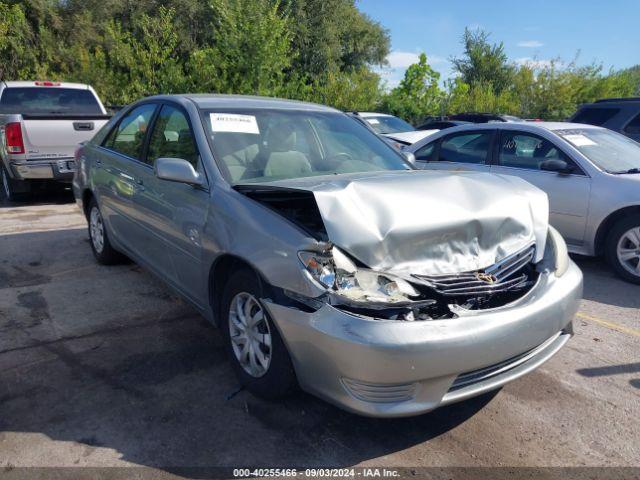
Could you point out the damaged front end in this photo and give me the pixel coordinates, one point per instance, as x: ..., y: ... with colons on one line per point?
x: 381, y: 295
x: 412, y: 246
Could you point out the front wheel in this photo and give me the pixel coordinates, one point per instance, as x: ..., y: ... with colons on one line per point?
x: 622, y: 248
x: 258, y: 354
x: 103, y: 251
x: 14, y: 190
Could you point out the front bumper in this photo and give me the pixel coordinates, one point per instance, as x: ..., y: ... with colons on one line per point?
x: 398, y: 368
x: 60, y: 169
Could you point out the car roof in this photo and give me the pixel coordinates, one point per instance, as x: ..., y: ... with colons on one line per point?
x: 208, y: 101
x: 32, y: 83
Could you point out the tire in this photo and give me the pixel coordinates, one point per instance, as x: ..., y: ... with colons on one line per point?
x: 99, y: 239
x: 275, y: 380
x: 14, y: 190
x: 622, y: 248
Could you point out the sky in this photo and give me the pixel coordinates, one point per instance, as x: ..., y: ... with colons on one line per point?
x: 607, y: 32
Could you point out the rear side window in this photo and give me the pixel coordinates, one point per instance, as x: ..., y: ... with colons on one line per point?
x: 633, y: 127
x: 595, y: 116
x: 128, y: 137
x: 172, y: 137
x: 49, y: 101
x: 466, y: 148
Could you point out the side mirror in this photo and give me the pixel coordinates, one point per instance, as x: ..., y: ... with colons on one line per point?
x: 555, y: 165
x: 409, y: 157
x: 177, y: 170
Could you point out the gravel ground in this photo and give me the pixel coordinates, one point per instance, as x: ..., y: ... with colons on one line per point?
x: 103, y: 366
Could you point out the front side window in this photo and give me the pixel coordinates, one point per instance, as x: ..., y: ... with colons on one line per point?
x: 426, y: 153
x: 265, y: 145
x: 595, y: 115
x: 466, y: 148
x: 128, y: 137
x: 49, y: 101
x: 172, y: 137
x: 633, y: 127
x: 608, y: 150
x: 523, y: 150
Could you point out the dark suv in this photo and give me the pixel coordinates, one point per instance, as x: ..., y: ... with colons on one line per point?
x: 621, y: 115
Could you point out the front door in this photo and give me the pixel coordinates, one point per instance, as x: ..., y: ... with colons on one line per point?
x: 175, y: 212
x: 521, y: 153
x: 464, y: 151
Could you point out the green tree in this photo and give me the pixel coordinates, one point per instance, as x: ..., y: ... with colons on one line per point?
x: 418, y: 95
x: 483, y: 63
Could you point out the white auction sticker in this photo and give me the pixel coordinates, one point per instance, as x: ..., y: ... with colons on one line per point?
x: 373, y: 121
x: 579, y: 140
x: 233, y: 122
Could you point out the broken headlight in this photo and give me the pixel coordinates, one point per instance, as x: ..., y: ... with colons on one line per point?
x: 336, y: 272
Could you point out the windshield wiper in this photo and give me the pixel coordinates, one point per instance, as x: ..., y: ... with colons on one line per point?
x: 631, y: 170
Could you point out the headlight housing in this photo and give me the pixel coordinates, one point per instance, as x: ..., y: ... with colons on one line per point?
x: 340, y: 276
x: 560, y: 252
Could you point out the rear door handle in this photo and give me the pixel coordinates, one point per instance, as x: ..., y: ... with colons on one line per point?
x: 140, y: 184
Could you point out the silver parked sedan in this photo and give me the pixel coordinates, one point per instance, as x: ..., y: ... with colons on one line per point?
x: 591, y: 175
x: 326, y: 259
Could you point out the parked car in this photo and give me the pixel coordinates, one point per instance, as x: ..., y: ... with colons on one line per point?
x: 401, y: 132
x: 41, y: 124
x: 621, y: 115
x: 592, y: 177
x: 324, y: 257
x: 479, y: 117
x: 441, y: 124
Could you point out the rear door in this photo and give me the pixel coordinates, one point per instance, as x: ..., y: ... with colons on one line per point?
x: 521, y: 153
x: 116, y: 170
x: 174, y: 213
x: 468, y: 150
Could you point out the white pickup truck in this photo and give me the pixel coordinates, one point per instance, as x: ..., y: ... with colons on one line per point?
x: 41, y: 125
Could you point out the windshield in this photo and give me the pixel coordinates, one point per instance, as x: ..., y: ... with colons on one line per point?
x: 608, y: 150
x: 388, y: 124
x: 266, y: 145
x: 48, y: 100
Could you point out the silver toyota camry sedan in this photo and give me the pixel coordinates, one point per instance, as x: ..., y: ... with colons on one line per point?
x: 327, y: 260
x: 591, y: 175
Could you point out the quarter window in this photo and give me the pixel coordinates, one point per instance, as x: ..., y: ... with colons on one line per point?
x: 466, y: 148
x: 521, y: 150
x: 128, y: 137
x: 172, y: 137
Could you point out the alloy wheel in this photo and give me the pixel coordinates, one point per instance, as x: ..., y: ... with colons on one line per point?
x: 628, y: 251
x: 250, y: 334
x: 96, y: 228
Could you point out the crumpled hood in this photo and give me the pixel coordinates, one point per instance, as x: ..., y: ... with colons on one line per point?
x: 427, y: 222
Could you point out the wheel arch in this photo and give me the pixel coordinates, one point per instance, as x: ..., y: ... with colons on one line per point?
x: 607, y: 224
x: 223, y: 266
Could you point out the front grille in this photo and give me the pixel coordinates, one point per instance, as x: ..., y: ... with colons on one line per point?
x: 507, y: 274
x: 378, y: 392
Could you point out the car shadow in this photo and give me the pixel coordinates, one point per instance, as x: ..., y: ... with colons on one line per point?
x: 626, y: 368
x: 56, y: 194
x: 602, y: 285
x: 107, y: 358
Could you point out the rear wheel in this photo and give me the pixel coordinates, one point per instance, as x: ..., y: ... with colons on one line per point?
x: 14, y: 190
x: 622, y: 248
x: 258, y: 354
x: 103, y: 251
